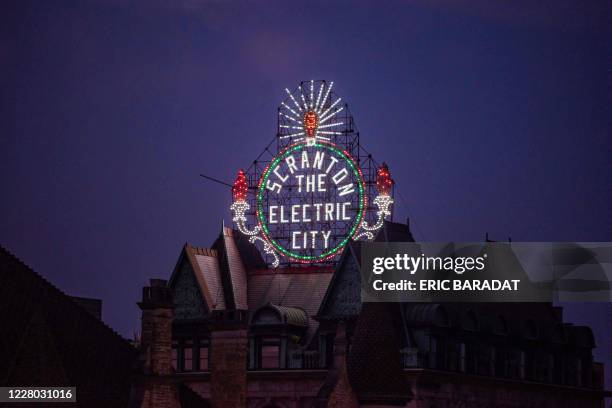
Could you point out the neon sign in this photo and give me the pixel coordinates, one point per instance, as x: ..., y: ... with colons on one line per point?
x: 310, y: 199
x: 333, y: 192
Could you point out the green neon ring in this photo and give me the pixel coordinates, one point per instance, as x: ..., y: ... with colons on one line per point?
x: 260, y: 193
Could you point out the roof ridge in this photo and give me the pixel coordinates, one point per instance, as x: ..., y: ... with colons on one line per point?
x: 68, y: 297
x: 203, y: 251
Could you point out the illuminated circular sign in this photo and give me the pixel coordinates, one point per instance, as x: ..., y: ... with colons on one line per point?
x: 310, y: 200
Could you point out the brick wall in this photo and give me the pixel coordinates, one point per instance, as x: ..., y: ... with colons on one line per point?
x: 228, y: 388
x: 159, y: 389
x: 342, y: 396
x: 157, y: 338
x: 160, y: 396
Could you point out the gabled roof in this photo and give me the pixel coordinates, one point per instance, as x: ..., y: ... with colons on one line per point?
x: 390, y: 232
x: 232, y: 265
x: 232, y: 274
x: 352, y: 252
x: 204, y: 265
x: 219, y: 273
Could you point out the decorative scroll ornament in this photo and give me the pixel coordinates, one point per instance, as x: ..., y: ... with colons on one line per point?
x: 240, y: 207
x: 384, y: 185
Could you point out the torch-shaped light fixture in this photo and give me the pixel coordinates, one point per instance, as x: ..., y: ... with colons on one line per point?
x: 384, y: 182
x: 240, y: 187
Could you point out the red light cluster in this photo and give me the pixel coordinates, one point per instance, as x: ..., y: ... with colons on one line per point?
x: 240, y: 187
x: 384, y: 182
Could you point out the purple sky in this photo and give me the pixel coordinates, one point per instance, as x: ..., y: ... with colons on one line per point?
x: 492, y: 117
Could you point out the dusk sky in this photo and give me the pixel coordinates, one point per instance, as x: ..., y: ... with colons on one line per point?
x: 493, y: 117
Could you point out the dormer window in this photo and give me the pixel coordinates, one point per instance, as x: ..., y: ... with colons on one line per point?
x: 275, y: 337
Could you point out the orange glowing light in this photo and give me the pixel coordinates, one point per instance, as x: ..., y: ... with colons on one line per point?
x: 311, y: 121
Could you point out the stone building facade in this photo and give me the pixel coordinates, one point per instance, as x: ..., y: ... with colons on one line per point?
x: 237, y: 334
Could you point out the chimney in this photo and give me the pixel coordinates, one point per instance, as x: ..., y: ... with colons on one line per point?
x: 337, y: 391
x: 158, y: 387
x: 229, y: 348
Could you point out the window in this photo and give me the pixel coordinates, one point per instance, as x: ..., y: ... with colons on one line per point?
x: 175, y: 357
x: 468, y: 357
x: 410, y: 357
x: 188, y: 357
x: 329, y: 349
x: 470, y: 321
x: 462, y: 356
x: 543, y: 367
x: 493, y: 360
x: 270, y: 356
x: 441, y: 317
x: 501, y: 362
x: 268, y: 352
x: 515, y: 364
x: 531, y: 330
x: 559, y: 368
x: 485, y: 359
x: 551, y: 365
x: 574, y: 371
x: 522, y: 362
x: 203, y: 358
x: 452, y: 356
x: 433, y: 352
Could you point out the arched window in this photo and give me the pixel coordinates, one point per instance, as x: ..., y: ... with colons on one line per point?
x: 501, y: 326
x: 531, y: 330
x: 441, y: 318
x: 470, y: 322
